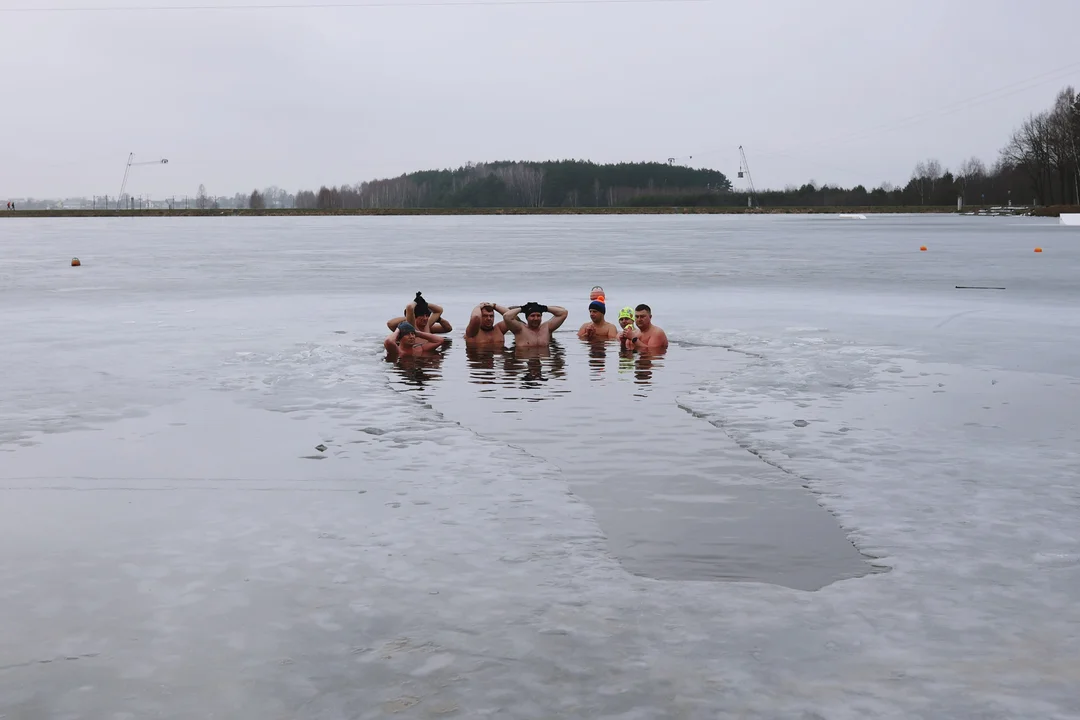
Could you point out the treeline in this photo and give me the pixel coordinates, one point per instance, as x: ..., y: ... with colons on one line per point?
x: 1046, y: 148
x: 1039, y: 165
x: 930, y: 185
x: 563, y: 183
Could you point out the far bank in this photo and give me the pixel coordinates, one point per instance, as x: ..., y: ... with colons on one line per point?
x: 1052, y: 211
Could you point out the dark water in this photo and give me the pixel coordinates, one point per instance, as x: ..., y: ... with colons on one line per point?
x: 675, y: 496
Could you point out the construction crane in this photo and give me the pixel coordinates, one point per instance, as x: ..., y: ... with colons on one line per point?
x: 745, y: 167
x: 130, y: 163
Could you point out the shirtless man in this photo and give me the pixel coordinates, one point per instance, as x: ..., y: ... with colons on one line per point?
x: 482, y: 328
x: 407, y: 340
x: 534, y: 332
x: 597, y: 328
x: 423, y: 317
x: 649, y: 337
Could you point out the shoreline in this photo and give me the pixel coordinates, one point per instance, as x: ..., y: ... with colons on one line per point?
x: 1052, y: 211
x: 240, y: 212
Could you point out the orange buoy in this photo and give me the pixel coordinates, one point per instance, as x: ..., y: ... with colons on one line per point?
x: 75, y: 262
x: 922, y: 249
x: 1038, y: 249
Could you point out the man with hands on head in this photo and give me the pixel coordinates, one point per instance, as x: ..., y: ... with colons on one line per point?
x: 534, y: 331
x: 482, y: 328
x: 423, y: 316
x: 407, y: 340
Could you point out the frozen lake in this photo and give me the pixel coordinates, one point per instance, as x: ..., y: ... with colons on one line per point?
x: 848, y: 490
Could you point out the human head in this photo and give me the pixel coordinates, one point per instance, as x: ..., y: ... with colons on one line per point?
x: 626, y: 317
x: 643, y: 316
x: 405, y: 329
x: 534, y: 314
x: 597, y: 310
x: 487, y: 317
x: 421, y: 311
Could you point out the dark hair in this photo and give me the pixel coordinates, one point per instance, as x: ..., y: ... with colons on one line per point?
x: 644, y: 307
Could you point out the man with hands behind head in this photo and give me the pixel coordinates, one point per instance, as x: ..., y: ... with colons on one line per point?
x: 534, y: 331
x: 482, y: 329
x: 422, y: 316
x: 407, y: 340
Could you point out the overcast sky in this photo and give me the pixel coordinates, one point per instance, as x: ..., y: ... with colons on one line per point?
x: 298, y: 97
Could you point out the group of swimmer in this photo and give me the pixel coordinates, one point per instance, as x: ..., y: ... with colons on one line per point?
x: 418, y: 331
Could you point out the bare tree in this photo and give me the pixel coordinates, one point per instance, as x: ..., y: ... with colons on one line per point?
x: 1029, y: 149
x: 933, y: 170
x: 202, y: 201
x: 256, y: 201
x: 973, y: 167
x: 1063, y: 143
x: 971, y: 174
x: 925, y: 176
x: 305, y: 200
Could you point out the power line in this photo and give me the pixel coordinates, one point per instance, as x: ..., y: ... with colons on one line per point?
x: 344, y: 5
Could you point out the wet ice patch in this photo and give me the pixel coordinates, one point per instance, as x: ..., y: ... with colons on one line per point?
x: 905, y: 467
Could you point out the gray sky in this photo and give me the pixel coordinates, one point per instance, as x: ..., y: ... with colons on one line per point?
x: 300, y: 97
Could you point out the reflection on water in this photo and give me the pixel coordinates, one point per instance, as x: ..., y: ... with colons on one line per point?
x: 541, y: 371
x: 676, y: 497
x: 419, y: 370
x: 525, y: 368
x: 598, y: 350
x: 535, y: 365
x: 643, y: 364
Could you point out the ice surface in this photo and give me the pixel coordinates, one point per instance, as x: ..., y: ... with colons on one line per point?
x: 675, y: 498
x: 171, y: 547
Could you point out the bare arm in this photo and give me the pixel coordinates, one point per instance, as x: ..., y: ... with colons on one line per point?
x: 560, y: 314
x: 510, y: 317
x: 392, y: 323
x: 444, y: 326
x: 437, y: 322
x: 430, y: 341
x: 474, y: 323
x: 473, y: 328
x: 391, y: 346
